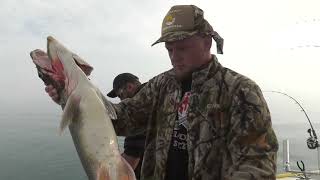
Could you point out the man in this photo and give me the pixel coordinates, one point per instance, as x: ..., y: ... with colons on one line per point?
x: 126, y: 85
x: 202, y: 120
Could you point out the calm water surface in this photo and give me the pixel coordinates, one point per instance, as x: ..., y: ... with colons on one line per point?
x: 32, y: 149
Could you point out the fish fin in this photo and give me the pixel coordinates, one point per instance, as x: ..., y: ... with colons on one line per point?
x: 70, y: 111
x: 85, y: 67
x: 127, y: 169
x: 107, y: 104
x: 102, y: 173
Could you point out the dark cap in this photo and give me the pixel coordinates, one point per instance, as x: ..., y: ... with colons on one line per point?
x: 119, y: 81
x: 183, y: 21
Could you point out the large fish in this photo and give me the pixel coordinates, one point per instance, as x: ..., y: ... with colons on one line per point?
x: 85, y: 111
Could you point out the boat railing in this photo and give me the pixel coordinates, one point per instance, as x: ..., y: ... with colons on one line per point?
x: 286, y: 161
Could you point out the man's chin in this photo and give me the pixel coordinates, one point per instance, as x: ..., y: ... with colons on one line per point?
x: 182, y: 75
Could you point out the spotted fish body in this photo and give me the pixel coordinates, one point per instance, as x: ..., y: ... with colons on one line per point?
x: 86, y: 113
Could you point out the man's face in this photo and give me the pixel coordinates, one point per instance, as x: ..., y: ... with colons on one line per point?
x: 122, y: 93
x: 127, y: 91
x: 188, y: 55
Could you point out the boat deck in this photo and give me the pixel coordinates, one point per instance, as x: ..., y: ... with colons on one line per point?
x: 296, y: 176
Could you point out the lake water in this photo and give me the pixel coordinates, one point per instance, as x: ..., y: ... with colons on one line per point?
x: 32, y: 149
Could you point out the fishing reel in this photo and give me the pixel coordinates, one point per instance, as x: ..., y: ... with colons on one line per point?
x: 312, y: 141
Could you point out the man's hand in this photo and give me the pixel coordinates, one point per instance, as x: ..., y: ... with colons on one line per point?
x: 52, y: 92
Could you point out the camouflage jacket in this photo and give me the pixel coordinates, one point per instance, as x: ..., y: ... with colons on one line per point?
x: 230, y: 134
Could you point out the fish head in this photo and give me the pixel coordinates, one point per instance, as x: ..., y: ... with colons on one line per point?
x: 46, y: 71
x: 66, y: 64
x: 41, y: 59
x: 51, y: 69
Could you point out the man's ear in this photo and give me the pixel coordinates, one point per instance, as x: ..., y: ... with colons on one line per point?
x: 129, y: 86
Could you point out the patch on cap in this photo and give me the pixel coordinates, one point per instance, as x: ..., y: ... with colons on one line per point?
x: 179, y: 18
x: 169, y: 20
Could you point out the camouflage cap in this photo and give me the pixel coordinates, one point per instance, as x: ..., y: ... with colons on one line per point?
x: 183, y: 21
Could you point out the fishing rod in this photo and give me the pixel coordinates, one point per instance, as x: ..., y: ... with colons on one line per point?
x: 312, y: 141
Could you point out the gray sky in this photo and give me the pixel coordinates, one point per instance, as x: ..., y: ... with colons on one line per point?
x: 276, y: 43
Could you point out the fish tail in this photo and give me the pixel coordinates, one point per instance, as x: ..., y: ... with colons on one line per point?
x: 128, y: 173
x: 103, y: 173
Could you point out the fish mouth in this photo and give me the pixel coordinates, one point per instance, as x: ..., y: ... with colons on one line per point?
x: 51, y: 69
x: 41, y: 59
x: 45, y: 70
x: 53, y: 55
x: 56, y: 63
x: 59, y: 56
